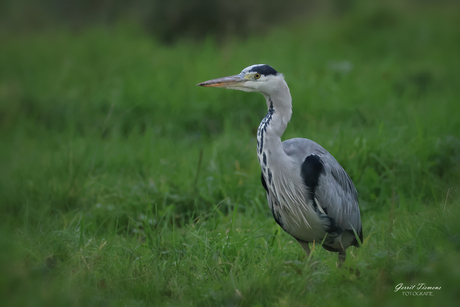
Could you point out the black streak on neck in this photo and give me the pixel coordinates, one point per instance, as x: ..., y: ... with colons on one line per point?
x: 264, y: 184
x: 263, y: 127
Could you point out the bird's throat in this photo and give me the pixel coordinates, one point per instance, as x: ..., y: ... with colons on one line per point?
x: 269, y: 134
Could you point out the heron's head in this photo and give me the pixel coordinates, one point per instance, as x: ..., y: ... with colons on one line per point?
x: 255, y: 78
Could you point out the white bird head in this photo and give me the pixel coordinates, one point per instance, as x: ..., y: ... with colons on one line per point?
x: 260, y: 78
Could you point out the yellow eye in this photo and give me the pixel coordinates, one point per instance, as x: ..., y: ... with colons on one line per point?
x: 257, y: 76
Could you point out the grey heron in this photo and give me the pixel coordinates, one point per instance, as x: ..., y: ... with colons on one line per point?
x: 309, y: 193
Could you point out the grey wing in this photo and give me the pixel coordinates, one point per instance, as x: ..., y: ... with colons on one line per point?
x: 337, y: 195
x: 335, y: 192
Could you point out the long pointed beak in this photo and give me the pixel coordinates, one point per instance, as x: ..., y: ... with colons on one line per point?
x: 227, y: 82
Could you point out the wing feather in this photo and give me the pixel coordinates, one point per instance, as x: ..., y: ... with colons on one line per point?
x: 335, y: 193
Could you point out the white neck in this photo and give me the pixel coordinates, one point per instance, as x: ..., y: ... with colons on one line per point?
x: 281, y: 103
x: 274, y: 124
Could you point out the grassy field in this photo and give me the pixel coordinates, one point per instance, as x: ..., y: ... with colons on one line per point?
x: 122, y: 183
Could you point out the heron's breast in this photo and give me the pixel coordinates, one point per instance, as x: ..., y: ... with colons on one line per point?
x: 301, y: 224
x: 291, y: 208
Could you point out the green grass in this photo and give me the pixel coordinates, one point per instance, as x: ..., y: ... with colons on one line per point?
x: 122, y: 183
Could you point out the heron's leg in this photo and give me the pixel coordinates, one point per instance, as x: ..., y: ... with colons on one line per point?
x: 342, y: 254
x: 305, y: 247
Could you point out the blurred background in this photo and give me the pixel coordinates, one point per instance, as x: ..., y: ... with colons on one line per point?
x: 165, y: 20
x: 169, y: 21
